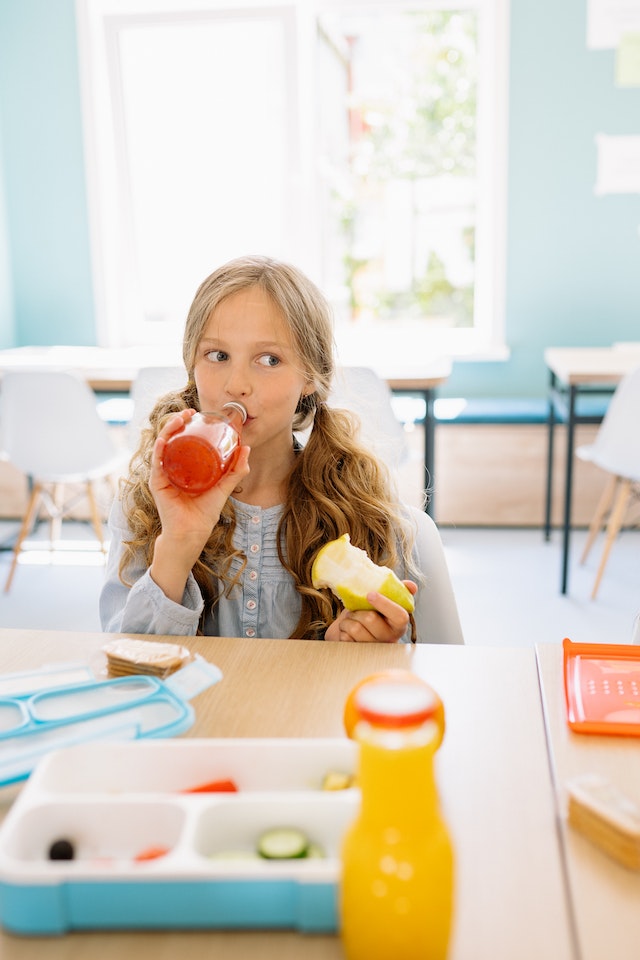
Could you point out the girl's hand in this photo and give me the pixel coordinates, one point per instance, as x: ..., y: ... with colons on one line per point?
x: 386, y: 624
x: 186, y: 519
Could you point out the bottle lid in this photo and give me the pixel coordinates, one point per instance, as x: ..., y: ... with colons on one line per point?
x: 396, y: 703
x: 236, y: 406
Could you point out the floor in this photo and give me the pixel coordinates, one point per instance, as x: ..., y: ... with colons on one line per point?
x: 506, y: 582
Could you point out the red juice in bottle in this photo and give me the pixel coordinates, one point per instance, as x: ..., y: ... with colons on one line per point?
x: 197, y: 456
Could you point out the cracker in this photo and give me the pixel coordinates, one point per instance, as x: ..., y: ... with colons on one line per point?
x: 607, y: 817
x: 127, y: 656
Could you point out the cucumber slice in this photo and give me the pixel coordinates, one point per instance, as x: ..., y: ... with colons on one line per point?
x: 283, y: 843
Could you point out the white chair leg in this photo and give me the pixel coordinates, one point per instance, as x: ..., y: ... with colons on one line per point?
x: 603, y: 507
x: 615, y: 522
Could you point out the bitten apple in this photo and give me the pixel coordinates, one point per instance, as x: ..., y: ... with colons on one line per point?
x: 350, y: 574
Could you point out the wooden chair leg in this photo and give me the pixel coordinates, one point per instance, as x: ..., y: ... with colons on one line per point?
x: 112, y: 483
x: 55, y: 521
x: 96, y: 519
x: 615, y: 522
x: 603, y: 507
x: 27, y: 523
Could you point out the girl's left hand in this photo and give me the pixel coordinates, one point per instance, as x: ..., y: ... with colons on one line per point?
x: 386, y: 624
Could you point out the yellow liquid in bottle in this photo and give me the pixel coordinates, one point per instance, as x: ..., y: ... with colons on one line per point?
x: 396, y: 895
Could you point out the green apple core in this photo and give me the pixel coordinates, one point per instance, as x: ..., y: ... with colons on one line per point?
x: 351, y: 575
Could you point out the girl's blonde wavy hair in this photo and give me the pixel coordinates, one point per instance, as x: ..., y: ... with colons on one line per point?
x: 336, y: 486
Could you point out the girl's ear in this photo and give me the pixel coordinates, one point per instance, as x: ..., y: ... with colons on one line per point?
x: 309, y: 389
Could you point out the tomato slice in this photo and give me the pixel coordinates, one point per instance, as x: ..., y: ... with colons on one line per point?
x: 214, y: 786
x: 151, y: 853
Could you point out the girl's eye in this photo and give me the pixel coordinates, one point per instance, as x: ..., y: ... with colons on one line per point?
x: 216, y: 356
x: 268, y: 360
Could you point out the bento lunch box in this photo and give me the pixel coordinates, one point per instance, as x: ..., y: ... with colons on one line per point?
x: 156, y: 846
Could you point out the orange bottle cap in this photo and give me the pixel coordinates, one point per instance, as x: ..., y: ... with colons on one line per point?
x: 395, y: 703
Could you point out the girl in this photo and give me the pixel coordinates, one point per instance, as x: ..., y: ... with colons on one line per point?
x: 236, y: 560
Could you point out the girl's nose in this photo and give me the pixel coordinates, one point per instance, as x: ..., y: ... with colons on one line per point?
x: 238, y: 381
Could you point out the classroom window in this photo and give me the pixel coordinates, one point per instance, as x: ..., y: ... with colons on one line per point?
x: 363, y: 142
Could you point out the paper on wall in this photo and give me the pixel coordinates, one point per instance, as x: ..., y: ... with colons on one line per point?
x: 618, y: 164
x: 628, y: 61
x: 609, y: 20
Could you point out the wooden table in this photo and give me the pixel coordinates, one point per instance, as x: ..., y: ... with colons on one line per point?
x: 114, y: 370
x: 605, y: 896
x: 492, y: 770
x: 106, y: 370
x: 575, y: 371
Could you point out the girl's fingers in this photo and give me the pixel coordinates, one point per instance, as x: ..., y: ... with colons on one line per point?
x: 175, y: 421
x: 241, y: 467
x: 395, y: 616
x: 227, y: 484
x: 386, y: 623
x: 354, y: 631
x: 174, y: 424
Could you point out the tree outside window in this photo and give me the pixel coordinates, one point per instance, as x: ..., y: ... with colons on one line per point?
x: 407, y: 208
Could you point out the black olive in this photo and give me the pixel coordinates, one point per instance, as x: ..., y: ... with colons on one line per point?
x: 61, y: 850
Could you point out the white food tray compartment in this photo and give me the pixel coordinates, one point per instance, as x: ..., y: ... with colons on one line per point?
x: 115, y: 801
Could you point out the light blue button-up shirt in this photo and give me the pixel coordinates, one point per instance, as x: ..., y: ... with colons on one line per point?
x: 264, y: 604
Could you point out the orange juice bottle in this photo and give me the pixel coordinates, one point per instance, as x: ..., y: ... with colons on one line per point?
x: 396, y: 886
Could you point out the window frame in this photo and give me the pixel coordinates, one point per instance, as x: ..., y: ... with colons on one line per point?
x: 113, y: 273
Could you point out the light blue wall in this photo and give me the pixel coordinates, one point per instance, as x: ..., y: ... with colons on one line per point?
x: 573, y: 260
x: 6, y: 299
x: 41, y: 165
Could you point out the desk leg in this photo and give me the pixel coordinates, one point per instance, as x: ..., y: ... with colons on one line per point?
x: 429, y: 447
x: 551, y: 429
x: 429, y: 425
x: 566, y: 532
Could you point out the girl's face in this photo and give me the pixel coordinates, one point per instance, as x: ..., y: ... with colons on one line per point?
x: 246, y: 354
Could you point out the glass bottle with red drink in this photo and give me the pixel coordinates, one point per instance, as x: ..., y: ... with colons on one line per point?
x: 197, y: 456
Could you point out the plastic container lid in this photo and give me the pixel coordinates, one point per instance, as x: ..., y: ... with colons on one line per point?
x: 602, y: 688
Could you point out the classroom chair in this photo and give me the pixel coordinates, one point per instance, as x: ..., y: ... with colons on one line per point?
x: 616, y: 450
x: 362, y: 391
x: 148, y: 386
x: 52, y: 432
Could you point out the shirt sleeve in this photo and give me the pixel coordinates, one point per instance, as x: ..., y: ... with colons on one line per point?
x: 142, y: 607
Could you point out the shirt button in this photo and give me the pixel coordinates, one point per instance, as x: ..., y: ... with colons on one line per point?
x: 251, y: 604
x: 254, y: 547
x: 253, y: 575
x: 250, y: 632
x: 255, y: 519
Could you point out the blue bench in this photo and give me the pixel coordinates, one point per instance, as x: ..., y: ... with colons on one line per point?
x: 492, y: 410
x: 115, y: 409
